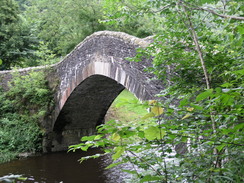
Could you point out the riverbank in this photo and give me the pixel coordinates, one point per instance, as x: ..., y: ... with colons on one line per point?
x: 124, y: 109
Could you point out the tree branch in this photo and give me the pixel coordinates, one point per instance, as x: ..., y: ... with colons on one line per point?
x: 193, y: 7
x: 200, y: 54
x: 156, y: 171
x: 163, y: 8
x: 220, y: 15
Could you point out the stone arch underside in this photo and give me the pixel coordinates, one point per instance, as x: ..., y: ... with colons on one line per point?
x: 85, y: 108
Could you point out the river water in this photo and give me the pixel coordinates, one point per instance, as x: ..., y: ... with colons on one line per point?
x: 62, y: 167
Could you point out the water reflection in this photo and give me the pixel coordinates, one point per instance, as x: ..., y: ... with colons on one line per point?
x: 62, y: 167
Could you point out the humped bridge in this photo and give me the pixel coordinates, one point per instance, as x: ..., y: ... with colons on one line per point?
x: 89, y: 79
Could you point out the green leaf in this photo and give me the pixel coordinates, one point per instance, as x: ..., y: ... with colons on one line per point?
x: 84, y: 148
x: 122, y: 102
x: 141, y: 134
x: 114, y: 165
x: 1, y: 62
x: 184, y: 139
x: 220, y: 147
x: 115, y: 137
x: 118, y: 152
x: 98, y: 137
x: 206, y: 1
x: 157, y: 110
x: 183, y: 102
x: 149, y: 178
x: 240, y: 29
x: 130, y: 171
x: 22, y: 178
x: 239, y: 126
x: 204, y: 95
x: 197, y: 107
x: 172, y: 136
x: 149, y: 115
x: 227, y: 99
x: 88, y: 138
x: 187, y: 116
x: 153, y: 132
x: 226, y: 85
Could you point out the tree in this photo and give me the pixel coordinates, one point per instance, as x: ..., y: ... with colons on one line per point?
x: 16, y: 42
x: 197, y: 55
x: 63, y: 24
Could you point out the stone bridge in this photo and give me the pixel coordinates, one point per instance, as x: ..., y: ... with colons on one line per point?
x: 89, y: 79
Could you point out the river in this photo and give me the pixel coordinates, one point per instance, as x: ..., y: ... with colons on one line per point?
x: 62, y: 167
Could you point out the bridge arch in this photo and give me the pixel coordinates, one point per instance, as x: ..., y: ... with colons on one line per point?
x: 85, y: 101
x: 92, y: 76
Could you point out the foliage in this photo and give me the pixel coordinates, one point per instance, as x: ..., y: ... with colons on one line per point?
x: 126, y: 108
x: 59, y: 25
x: 43, y: 56
x: 198, y: 132
x: 63, y: 24
x: 21, y: 110
x: 16, y: 42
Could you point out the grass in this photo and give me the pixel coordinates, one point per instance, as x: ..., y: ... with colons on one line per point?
x: 126, y: 108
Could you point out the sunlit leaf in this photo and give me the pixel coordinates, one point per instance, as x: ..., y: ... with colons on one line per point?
x: 149, y: 115
x: 118, y: 152
x: 190, y: 109
x: 152, y: 102
x: 187, y: 116
x: 89, y: 157
x: 115, y: 137
x: 157, y: 110
x: 97, y: 137
x: 122, y: 102
x: 153, y: 132
x: 22, y: 178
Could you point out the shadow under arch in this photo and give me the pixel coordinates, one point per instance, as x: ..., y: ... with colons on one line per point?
x: 85, y: 109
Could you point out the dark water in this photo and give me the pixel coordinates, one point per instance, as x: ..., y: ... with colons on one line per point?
x: 62, y: 167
